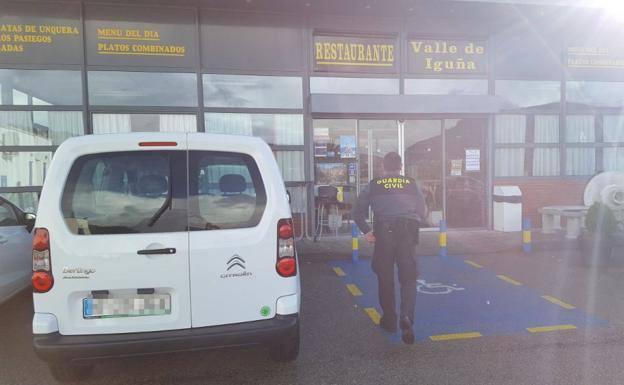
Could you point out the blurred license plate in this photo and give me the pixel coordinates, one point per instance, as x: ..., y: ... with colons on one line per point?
x: 127, y: 306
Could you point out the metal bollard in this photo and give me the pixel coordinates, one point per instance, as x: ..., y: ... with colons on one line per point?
x: 442, y: 239
x: 527, y: 246
x: 355, y: 243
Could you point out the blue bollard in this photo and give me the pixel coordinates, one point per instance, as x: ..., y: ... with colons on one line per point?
x: 355, y: 243
x: 442, y: 239
x: 527, y: 245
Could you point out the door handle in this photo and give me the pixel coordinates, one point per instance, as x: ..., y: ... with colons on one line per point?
x: 167, y: 250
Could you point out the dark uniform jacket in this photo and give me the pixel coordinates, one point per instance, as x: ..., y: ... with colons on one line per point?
x: 390, y: 197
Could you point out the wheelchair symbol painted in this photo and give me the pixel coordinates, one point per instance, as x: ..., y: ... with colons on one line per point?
x: 436, y: 288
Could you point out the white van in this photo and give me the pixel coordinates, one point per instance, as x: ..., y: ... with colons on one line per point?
x: 151, y: 242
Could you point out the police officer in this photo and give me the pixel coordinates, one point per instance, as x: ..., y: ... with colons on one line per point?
x: 399, y: 207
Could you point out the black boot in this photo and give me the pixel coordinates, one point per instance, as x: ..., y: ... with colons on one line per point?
x: 388, y: 324
x: 407, y: 331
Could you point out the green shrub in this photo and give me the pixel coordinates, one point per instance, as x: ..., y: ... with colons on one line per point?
x: 600, y: 220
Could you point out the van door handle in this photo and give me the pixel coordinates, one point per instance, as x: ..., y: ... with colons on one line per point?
x: 168, y: 250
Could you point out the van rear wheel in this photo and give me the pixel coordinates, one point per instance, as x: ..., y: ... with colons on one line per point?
x: 286, y: 350
x: 70, y: 373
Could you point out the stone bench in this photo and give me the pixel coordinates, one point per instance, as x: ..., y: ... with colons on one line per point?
x: 575, y: 218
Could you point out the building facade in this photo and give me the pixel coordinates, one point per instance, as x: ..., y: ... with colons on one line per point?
x: 472, y: 94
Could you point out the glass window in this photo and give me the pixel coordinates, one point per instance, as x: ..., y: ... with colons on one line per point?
x: 242, y: 91
x: 40, y: 87
x: 546, y: 129
x: 595, y: 94
x: 580, y: 161
x: 509, y: 162
x: 112, y: 88
x: 529, y: 93
x: 39, y: 128
x: 126, y: 192
x: 7, y: 215
x: 21, y: 169
x: 292, y: 165
x: 330, y: 85
x: 510, y: 129
x: 580, y: 129
x: 275, y: 129
x: 546, y: 162
x: 613, y: 126
x: 226, y: 191
x: 613, y: 159
x: 446, y: 86
x: 27, y: 201
x: 117, y: 123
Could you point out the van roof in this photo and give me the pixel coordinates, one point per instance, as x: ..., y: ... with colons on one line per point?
x: 137, y: 137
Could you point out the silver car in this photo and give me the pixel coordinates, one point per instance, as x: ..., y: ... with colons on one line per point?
x: 15, y: 249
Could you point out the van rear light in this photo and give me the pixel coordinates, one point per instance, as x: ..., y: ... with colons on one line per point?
x: 286, y: 263
x: 287, y: 267
x: 42, y: 279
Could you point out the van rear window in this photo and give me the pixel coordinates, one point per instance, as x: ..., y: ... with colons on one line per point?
x: 126, y: 192
x: 226, y: 191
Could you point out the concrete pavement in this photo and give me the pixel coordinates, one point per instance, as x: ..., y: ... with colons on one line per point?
x: 341, y: 344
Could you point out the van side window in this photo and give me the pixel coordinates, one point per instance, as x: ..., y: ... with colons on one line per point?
x: 126, y: 192
x: 226, y: 191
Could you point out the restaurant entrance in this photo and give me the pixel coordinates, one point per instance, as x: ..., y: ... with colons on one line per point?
x: 446, y: 156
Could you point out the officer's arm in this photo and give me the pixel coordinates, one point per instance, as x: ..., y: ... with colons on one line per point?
x: 421, y: 204
x: 360, y: 210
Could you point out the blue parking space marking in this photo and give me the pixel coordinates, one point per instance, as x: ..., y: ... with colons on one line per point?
x: 455, y: 297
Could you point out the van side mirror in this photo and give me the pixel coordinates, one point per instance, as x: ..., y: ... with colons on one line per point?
x: 29, y: 221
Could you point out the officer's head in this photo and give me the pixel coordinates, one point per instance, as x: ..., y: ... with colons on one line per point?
x: 392, y: 162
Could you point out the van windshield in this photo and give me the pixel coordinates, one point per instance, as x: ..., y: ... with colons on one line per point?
x: 126, y: 192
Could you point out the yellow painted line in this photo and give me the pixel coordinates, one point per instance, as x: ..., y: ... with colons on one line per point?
x: 473, y: 264
x: 373, y: 314
x: 456, y: 336
x: 544, y: 329
x: 339, y: 272
x: 509, y: 280
x: 354, y: 290
x: 355, y: 244
x: 559, y: 302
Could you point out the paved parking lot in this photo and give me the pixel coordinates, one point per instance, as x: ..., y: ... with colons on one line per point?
x: 342, y: 345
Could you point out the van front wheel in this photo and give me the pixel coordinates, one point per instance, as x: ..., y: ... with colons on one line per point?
x: 70, y: 373
x: 286, y: 350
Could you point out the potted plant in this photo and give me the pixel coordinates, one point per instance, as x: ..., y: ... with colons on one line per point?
x: 603, y: 239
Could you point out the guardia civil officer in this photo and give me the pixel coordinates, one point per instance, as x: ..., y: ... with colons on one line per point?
x: 399, y: 208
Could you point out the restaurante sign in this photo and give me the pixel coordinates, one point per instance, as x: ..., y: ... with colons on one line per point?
x: 354, y: 54
x: 443, y: 56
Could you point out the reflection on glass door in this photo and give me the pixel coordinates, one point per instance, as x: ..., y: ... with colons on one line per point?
x: 465, y: 172
x: 376, y: 138
x: 423, y: 162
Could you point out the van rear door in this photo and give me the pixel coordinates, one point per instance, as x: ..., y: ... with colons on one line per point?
x: 236, y: 198
x: 119, y: 252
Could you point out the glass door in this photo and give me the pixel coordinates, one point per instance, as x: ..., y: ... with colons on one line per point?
x: 465, y: 172
x: 423, y: 160
x: 376, y: 138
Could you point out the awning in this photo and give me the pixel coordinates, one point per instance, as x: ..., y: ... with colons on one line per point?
x: 405, y: 104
